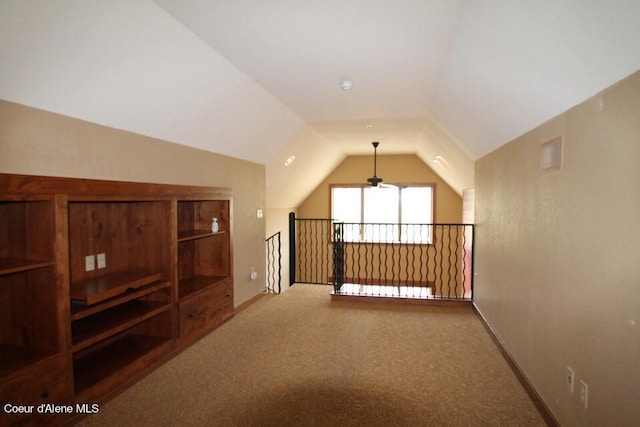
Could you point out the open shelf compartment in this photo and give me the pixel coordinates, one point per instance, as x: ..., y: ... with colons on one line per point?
x: 111, y: 363
x: 95, y: 328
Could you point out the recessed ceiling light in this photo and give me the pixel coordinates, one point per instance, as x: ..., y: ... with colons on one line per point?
x: 439, y: 160
x: 346, y: 84
x: 289, y: 160
x: 368, y: 126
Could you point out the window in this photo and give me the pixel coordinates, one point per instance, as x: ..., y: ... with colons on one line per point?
x: 384, y: 214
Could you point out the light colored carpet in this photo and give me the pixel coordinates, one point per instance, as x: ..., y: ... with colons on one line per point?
x: 299, y: 359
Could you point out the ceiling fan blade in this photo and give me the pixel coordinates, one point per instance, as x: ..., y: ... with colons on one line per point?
x: 385, y: 185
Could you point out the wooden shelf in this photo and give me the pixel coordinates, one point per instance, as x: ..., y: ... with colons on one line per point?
x: 14, y: 265
x: 14, y: 358
x: 187, y: 235
x: 93, y: 329
x: 93, y: 291
x: 193, y: 285
x: 79, y: 310
x: 116, y: 363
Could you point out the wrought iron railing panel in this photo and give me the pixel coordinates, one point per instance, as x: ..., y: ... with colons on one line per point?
x: 433, y: 260
x: 274, y: 263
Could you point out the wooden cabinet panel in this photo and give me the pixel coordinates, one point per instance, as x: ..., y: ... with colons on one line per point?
x: 29, y: 322
x: 47, y: 381
x: 44, y: 382
x: 205, y: 310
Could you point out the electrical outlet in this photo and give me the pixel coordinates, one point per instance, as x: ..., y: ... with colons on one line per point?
x: 102, y: 260
x: 89, y: 263
x: 584, y: 394
x: 570, y: 379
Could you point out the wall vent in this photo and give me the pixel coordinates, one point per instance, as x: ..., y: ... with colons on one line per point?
x: 551, y: 154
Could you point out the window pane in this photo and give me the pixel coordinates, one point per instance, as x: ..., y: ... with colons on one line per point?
x: 416, y: 205
x: 346, y: 204
x: 381, y: 206
x: 417, y: 208
x: 346, y: 207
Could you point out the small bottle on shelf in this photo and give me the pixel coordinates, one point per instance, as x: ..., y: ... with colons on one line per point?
x: 214, y: 225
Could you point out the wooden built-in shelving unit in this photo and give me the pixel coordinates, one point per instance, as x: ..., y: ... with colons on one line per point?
x: 199, y: 279
x: 78, y: 336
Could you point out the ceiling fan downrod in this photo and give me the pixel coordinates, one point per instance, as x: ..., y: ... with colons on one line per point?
x: 374, y: 180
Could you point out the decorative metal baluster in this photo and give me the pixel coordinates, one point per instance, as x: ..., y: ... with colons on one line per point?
x: 464, y: 260
x: 313, y: 259
x: 421, y: 248
x: 303, y: 251
x: 403, y: 260
x: 439, y: 270
x: 415, y: 276
x: 338, y: 256
x: 274, y: 276
x: 300, y: 225
x: 428, y: 248
x: 349, y: 252
x: 366, y: 257
x: 384, y: 263
x: 279, y: 263
x: 322, y: 253
x: 380, y: 247
x: 448, y: 227
x: 327, y: 248
x: 455, y: 262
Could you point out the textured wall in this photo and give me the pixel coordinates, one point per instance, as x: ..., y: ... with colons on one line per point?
x: 558, y: 256
x: 36, y: 142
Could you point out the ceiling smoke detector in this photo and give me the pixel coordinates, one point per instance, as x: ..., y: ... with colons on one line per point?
x: 346, y: 84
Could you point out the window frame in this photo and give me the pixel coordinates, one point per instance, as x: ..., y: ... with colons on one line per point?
x: 402, y: 186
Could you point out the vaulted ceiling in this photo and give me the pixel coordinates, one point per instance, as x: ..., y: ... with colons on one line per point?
x: 259, y: 80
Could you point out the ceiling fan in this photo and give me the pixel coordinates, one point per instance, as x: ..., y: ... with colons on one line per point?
x: 375, y: 180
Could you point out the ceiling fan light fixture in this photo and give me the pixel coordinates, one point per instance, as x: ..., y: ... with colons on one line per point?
x: 374, y: 181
